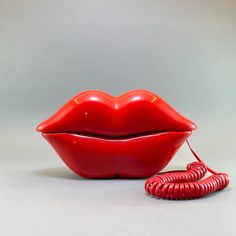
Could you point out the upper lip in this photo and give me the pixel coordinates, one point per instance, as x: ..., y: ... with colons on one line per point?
x: 99, y: 114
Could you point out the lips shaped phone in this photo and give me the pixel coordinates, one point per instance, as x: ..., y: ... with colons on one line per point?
x: 134, y: 135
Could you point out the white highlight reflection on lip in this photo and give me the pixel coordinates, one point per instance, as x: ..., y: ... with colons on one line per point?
x: 136, y: 98
x: 93, y: 98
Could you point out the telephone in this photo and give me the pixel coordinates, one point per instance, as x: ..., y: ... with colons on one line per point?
x: 134, y: 135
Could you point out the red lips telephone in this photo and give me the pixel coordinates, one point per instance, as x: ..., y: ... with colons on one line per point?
x: 134, y: 135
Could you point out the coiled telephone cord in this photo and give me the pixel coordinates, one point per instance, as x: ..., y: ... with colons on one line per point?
x: 186, y: 184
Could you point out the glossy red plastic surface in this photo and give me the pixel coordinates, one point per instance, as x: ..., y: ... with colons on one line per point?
x: 100, y: 136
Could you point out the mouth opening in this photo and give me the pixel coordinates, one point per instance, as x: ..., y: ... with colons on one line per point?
x: 141, y: 134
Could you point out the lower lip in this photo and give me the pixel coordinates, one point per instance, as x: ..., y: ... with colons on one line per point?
x: 134, y: 157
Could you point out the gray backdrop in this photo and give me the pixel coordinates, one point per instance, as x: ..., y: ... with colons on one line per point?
x: 185, y: 51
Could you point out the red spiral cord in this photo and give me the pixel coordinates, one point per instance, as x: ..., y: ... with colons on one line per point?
x: 181, y: 184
